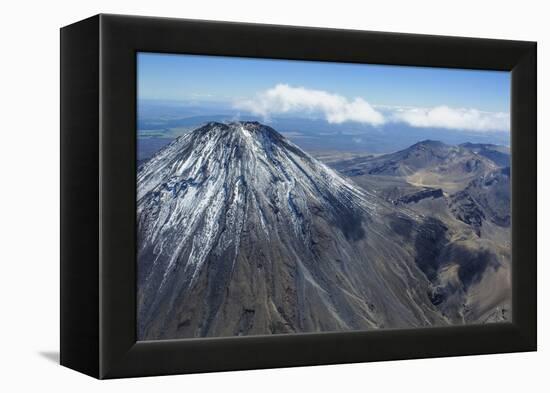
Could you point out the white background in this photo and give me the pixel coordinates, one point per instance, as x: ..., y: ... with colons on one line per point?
x: 29, y: 194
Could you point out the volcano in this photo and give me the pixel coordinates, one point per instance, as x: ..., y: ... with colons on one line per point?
x: 240, y: 232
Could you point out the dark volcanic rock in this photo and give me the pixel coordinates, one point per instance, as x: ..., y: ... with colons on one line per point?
x: 430, y: 241
x: 467, y: 210
x: 485, y: 198
x: 420, y: 195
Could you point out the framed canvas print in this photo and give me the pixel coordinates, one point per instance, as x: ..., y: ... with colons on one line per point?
x: 238, y: 196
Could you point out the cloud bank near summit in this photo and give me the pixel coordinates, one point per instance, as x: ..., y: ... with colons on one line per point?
x: 287, y: 99
x: 337, y: 109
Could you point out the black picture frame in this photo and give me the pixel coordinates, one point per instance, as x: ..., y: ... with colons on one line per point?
x: 98, y: 186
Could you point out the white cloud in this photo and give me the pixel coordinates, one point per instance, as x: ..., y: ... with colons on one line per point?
x: 335, y: 108
x: 453, y: 118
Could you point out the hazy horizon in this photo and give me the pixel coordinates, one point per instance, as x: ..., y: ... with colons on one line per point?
x: 322, y: 105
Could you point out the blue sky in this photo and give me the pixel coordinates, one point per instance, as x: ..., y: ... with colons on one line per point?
x: 227, y: 79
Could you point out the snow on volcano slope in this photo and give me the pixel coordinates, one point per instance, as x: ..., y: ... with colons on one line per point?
x: 240, y: 232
